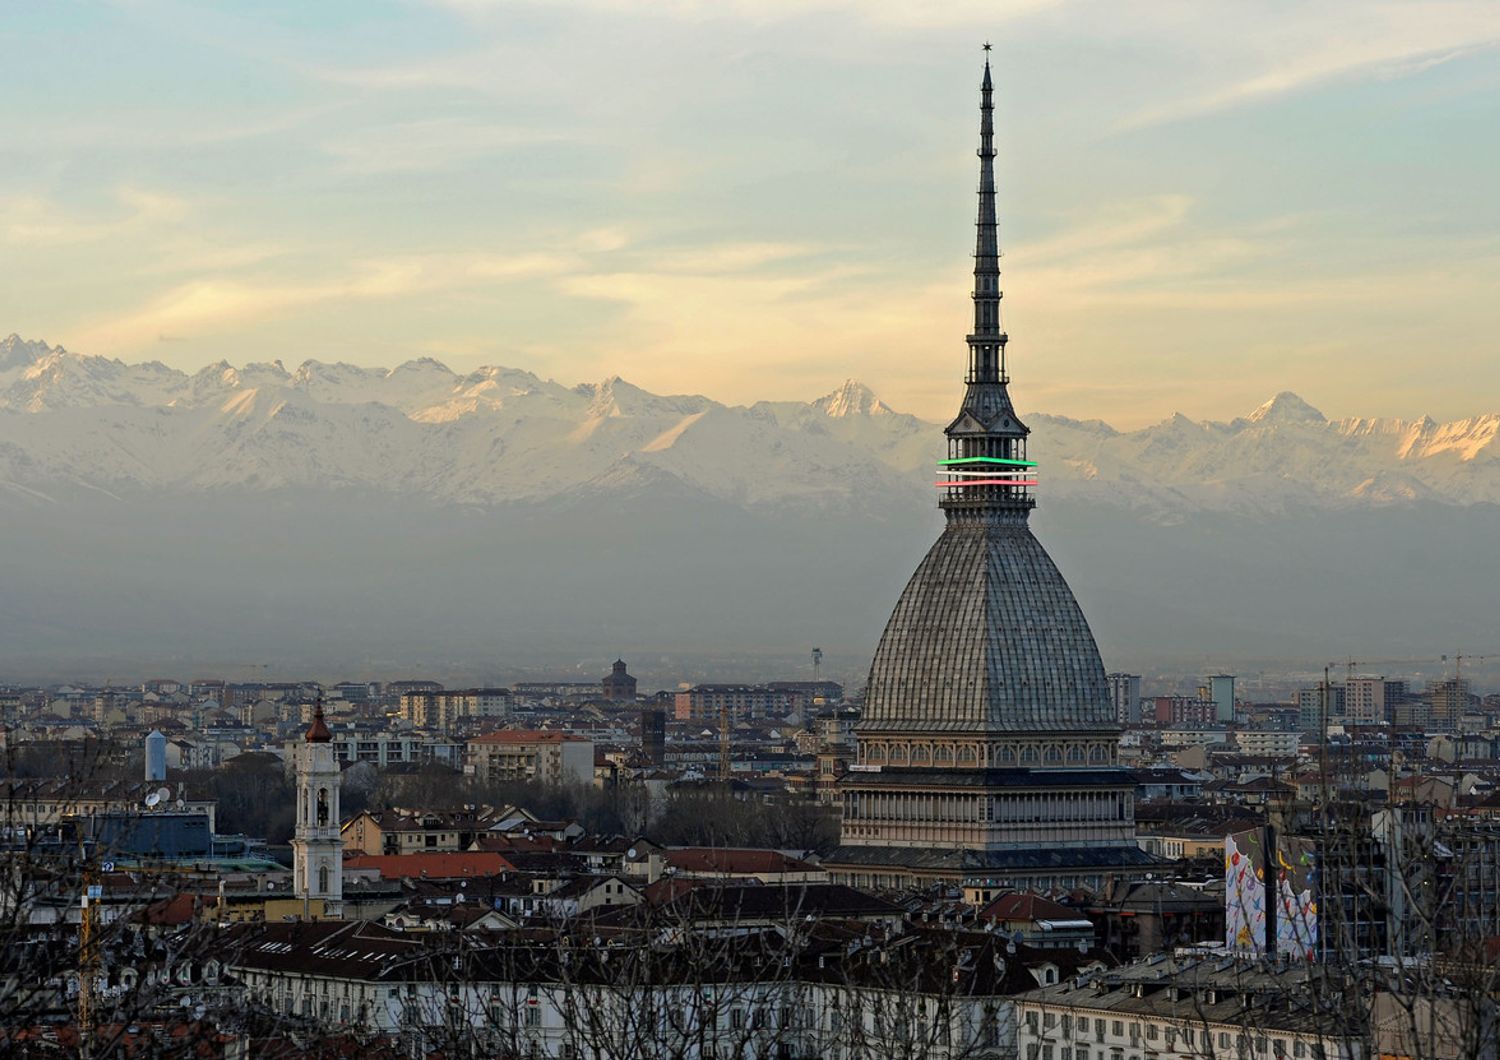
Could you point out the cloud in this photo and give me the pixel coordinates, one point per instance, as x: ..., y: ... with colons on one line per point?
x: 911, y: 14
x: 432, y: 144
x: 1316, y: 44
x: 33, y: 221
x: 216, y: 304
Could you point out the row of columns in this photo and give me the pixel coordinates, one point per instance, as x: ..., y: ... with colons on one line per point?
x: 1027, y: 807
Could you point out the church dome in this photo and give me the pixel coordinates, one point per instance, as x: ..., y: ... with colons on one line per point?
x: 987, y: 637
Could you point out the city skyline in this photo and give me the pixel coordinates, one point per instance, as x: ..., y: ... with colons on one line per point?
x: 1231, y: 205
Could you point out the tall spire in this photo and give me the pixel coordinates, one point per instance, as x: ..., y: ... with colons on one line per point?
x: 987, y: 477
x: 987, y: 340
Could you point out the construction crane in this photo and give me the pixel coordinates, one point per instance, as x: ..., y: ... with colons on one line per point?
x: 726, y: 770
x: 809, y: 705
x: 88, y: 952
x: 1459, y: 657
x: 1348, y: 663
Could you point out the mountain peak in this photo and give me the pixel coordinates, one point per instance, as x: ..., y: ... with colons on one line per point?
x: 852, y: 399
x: 1287, y: 408
x: 16, y: 352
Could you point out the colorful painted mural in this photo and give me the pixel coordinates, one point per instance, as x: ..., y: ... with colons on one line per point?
x: 1245, y: 891
x: 1296, y: 897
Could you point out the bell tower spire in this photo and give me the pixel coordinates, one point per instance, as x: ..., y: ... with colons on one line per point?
x: 318, y: 846
x: 987, y: 477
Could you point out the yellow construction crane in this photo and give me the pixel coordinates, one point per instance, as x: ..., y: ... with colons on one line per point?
x: 88, y: 951
x: 726, y: 769
x: 1459, y: 657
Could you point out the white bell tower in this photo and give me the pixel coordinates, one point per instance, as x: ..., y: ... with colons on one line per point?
x: 318, y: 849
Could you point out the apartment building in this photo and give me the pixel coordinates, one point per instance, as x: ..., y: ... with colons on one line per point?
x: 528, y: 754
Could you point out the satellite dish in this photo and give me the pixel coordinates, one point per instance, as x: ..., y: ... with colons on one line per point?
x: 163, y: 794
x: 152, y: 799
x: 630, y: 853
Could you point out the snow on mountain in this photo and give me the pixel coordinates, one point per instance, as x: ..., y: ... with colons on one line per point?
x: 396, y: 520
x: 501, y: 434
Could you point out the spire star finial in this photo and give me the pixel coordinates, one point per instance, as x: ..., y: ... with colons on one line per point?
x: 987, y: 45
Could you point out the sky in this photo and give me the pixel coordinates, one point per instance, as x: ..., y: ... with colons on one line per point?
x: 1202, y: 203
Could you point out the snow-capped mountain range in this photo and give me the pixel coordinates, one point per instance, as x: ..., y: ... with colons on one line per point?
x: 419, y: 522
x: 500, y: 435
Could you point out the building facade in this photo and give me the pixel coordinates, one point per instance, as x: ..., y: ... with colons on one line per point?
x: 524, y: 754
x: 1125, y: 694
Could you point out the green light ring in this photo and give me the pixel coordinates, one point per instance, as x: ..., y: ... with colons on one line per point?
x: 987, y: 460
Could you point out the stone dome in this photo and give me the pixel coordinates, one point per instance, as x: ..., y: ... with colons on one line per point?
x: 987, y: 637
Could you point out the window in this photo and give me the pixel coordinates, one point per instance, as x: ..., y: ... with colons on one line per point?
x: 1049, y: 1020
x: 1151, y: 1032
x: 1223, y: 1039
x: 1299, y: 1048
x: 1117, y: 1028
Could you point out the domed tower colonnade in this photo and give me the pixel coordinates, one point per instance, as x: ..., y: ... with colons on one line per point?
x: 988, y: 749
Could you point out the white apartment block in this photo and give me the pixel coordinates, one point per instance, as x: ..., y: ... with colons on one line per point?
x: 1264, y: 743
x: 1166, y: 1009
x: 384, y: 749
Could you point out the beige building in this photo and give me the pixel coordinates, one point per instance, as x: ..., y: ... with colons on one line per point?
x: 439, y: 709
x: 526, y: 754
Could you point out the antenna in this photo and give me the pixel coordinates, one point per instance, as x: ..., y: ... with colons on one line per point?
x: 152, y: 799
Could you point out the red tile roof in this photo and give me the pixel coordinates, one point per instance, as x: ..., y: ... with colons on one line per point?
x: 432, y: 865
x: 1024, y: 906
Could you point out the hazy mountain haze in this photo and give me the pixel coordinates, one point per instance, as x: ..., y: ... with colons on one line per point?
x: 414, y: 518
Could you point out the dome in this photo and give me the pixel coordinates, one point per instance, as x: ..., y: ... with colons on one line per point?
x: 987, y: 637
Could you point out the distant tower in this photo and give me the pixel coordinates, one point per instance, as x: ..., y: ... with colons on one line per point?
x: 654, y: 736
x: 318, y: 849
x: 156, y: 757
x: 619, y: 686
x: 1221, y: 688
